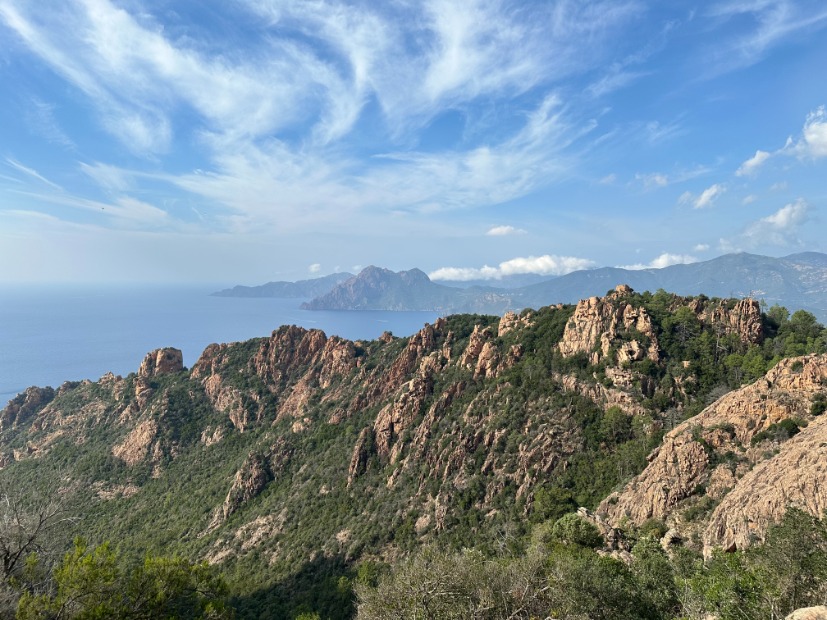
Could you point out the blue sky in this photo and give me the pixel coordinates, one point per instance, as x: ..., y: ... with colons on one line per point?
x: 246, y: 141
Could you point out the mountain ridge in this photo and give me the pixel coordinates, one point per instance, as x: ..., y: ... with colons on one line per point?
x: 798, y: 281
x: 301, y: 289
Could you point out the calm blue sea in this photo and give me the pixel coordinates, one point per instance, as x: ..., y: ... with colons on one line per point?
x: 52, y: 335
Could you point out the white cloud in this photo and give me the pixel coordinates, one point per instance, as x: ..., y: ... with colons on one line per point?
x: 813, y: 141
x: 701, y: 247
x: 750, y: 167
x: 502, y: 231
x: 709, y: 195
x: 272, y: 184
x: 664, y: 260
x: 609, y: 179
x: 315, y: 268
x: 748, y: 200
x: 705, y: 199
x: 546, y: 265
x: 779, y: 229
x: 815, y: 133
x: 787, y: 217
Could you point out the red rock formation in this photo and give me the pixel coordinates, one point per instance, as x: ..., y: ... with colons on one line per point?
x: 161, y: 361
x: 598, y: 324
x: 764, y: 480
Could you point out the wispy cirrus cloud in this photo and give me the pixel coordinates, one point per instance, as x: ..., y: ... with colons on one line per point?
x: 546, y: 265
x: 41, y: 118
x: 269, y: 182
x: 764, y: 25
x: 654, y: 180
x: 273, y: 114
x: 31, y: 172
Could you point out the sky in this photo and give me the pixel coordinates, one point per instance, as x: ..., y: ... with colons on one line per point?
x: 245, y: 141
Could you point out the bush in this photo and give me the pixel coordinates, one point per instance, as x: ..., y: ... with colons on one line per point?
x: 572, y: 529
x: 780, y: 431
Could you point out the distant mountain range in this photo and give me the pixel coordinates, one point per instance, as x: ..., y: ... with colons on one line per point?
x: 382, y: 289
x: 795, y: 281
x: 303, y: 289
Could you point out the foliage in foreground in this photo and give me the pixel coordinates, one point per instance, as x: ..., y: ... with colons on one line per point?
x: 562, y: 579
x: 93, y: 583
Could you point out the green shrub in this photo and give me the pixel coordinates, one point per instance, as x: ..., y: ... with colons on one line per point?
x: 572, y: 529
x: 780, y: 431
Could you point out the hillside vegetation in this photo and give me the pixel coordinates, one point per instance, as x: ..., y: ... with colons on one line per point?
x: 297, y: 465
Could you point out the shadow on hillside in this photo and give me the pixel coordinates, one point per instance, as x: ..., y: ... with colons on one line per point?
x: 316, y: 587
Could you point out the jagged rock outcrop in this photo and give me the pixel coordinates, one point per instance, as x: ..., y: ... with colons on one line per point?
x: 139, y: 444
x: 361, y: 454
x: 628, y: 401
x: 421, y: 344
x: 598, y: 327
x: 161, y: 362
x: 286, y: 352
x: 338, y: 358
x: 249, y: 481
x: 743, y: 320
x: 613, y: 536
x: 22, y: 408
x: 293, y: 363
x: 713, y: 454
x: 511, y: 321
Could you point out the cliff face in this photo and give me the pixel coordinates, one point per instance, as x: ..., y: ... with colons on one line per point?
x: 738, y: 452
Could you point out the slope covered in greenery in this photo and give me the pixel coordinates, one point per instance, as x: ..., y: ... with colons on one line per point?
x: 298, y: 464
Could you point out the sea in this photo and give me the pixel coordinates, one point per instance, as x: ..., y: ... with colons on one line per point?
x: 49, y: 335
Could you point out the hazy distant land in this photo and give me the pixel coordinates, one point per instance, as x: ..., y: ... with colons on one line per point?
x: 798, y: 281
